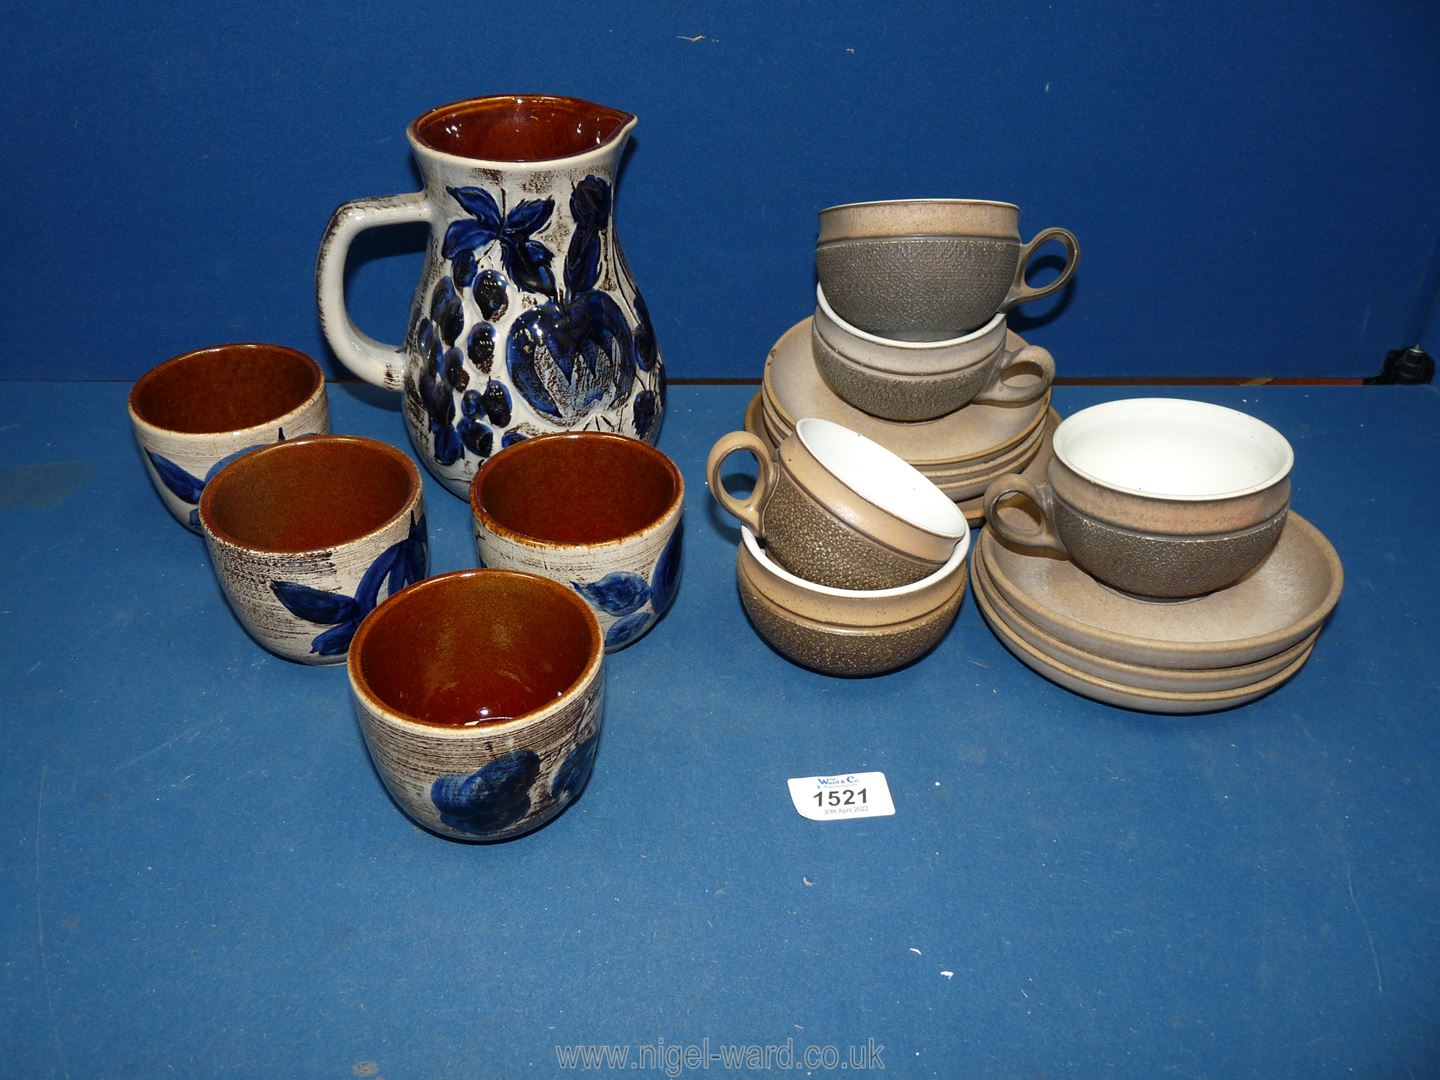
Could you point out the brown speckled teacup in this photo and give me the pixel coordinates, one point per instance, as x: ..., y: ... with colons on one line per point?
x: 843, y: 631
x: 480, y: 696
x: 198, y: 411
x: 1159, y: 497
x: 913, y: 381
x: 840, y: 510
x: 309, y: 535
x: 929, y: 269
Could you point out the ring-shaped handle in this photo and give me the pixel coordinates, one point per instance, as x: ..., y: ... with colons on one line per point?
x: 1000, y: 392
x: 1022, y: 293
x: 747, y: 510
x: 1043, y: 537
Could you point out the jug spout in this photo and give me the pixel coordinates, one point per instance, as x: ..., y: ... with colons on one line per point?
x: 507, y: 130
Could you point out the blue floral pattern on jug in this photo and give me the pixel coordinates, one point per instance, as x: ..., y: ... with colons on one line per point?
x: 399, y: 565
x: 635, y: 600
x: 492, y: 798
x: 188, y: 488
x: 568, y: 355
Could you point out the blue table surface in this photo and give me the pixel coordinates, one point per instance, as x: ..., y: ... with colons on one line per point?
x: 204, y: 876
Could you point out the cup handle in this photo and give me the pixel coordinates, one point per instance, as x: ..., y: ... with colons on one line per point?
x: 747, y: 510
x: 999, y: 392
x: 373, y: 361
x: 1042, y: 538
x: 1020, y: 292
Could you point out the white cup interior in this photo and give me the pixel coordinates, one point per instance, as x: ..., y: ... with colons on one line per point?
x: 1172, y: 448
x: 951, y: 566
x: 895, y: 343
x: 882, y: 477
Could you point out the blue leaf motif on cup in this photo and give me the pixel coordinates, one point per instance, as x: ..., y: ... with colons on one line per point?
x: 627, y: 629
x: 667, y: 571
x: 187, y: 488
x: 399, y: 565
x: 617, y: 593
x: 575, y: 769
x: 490, y: 799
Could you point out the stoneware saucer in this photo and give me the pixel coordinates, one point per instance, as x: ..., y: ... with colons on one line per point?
x: 794, y: 388
x: 1127, y: 697
x: 1276, y: 605
x: 1134, y: 676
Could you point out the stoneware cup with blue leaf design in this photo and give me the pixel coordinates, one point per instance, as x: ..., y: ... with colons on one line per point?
x: 197, y: 412
x: 308, y: 536
x: 598, y: 512
x: 480, y: 696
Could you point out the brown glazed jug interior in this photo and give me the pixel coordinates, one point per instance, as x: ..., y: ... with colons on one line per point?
x: 518, y: 127
x: 584, y: 488
x: 225, y: 388
x: 309, y: 494
x: 478, y: 647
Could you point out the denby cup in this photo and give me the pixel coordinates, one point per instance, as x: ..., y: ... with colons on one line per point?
x: 196, y: 412
x: 309, y: 535
x: 598, y: 512
x: 1160, y: 497
x: 913, y: 381
x: 480, y: 693
x: 930, y: 269
x: 840, y: 510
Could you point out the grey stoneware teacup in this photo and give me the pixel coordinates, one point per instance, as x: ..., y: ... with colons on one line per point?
x: 598, y: 512
x: 197, y: 412
x: 839, y: 510
x: 912, y: 381
x: 480, y: 696
x: 929, y: 269
x: 309, y: 535
x: 1159, y: 497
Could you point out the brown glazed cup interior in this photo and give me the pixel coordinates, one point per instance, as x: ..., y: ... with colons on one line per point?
x: 577, y: 488
x: 518, y: 127
x: 475, y: 647
x: 309, y: 494
x: 225, y: 388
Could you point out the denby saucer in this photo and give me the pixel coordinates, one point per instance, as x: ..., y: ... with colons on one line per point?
x: 1276, y: 605
x: 1111, y: 693
x: 1133, y: 676
x: 793, y: 388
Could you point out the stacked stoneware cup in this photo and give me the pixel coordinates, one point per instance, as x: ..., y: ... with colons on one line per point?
x: 908, y: 343
x: 881, y: 420
x: 1157, y: 564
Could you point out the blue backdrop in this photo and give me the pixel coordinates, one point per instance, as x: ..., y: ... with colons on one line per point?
x: 1254, y: 184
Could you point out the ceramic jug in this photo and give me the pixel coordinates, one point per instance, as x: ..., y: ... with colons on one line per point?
x: 526, y: 319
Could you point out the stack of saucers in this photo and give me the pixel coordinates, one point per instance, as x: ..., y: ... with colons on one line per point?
x: 1157, y: 565
x: 909, y: 346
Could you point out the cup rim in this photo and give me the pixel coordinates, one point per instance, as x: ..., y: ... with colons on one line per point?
x: 488, y: 468
x: 950, y: 566
x: 823, y: 305
x: 414, y: 488
x: 453, y: 579
x: 893, y: 461
x: 903, y: 202
x: 317, y: 389
x: 1261, y: 430
x: 421, y: 148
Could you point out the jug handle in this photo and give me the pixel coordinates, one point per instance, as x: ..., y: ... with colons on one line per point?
x: 373, y: 361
